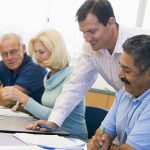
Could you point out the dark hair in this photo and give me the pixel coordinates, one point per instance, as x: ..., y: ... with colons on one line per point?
x: 102, y: 9
x: 139, y: 47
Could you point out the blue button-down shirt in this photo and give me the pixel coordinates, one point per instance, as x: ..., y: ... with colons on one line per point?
x: 129, y: 119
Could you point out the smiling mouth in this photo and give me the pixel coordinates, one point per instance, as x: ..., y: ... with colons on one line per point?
x: 11, y: 63
x: 124, y: 80
x: 93, y: 43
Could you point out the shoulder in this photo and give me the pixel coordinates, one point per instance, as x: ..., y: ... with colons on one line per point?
x: 2, y: 66
x: 121, y: 94
x: 34, y: 67
x: 65, y: 71
x: 29, y: 63
x: 69, y: 69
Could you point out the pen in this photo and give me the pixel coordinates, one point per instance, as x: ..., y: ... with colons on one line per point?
x: 53, y: 148
x: 46, y: 147
x: 103, y: 131
x: 48, y: 128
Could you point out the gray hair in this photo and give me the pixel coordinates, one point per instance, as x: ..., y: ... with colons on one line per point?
x: 139, y: 47
x: 9, y: 35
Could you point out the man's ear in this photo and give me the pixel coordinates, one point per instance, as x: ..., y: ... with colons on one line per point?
x: 111, y: 21
x: 148, y: 74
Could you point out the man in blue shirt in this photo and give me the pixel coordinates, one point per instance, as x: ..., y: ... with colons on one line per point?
x: 129, y: 117
x: 18, y: 69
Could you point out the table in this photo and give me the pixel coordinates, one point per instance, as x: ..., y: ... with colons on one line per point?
x: 9, y: 142
x: 18, y: 124
x: 7, y: 139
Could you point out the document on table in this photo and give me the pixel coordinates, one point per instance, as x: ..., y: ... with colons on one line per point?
x: 8, y: 112
x: 20, y: 148
x: 51, y: 141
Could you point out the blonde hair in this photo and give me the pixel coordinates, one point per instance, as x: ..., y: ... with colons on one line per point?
x: 55, y: 43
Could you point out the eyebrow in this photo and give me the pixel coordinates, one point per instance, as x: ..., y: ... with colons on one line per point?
x: 125, y: 67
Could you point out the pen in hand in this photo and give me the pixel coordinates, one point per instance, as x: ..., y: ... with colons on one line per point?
x: 48, y: 128
x: 103, y: 131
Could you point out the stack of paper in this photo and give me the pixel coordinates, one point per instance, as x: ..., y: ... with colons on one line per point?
x: 51, y: 141
x: 8, y: 112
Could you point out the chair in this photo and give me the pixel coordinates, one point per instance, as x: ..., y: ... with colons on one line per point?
x: 94, y: 116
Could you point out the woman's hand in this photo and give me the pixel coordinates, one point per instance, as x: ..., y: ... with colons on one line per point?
x: 15, y: 107
x: 11, y: 93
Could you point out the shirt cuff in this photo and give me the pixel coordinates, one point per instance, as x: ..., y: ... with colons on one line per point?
x: 56, y: 118
x: 29, y: 105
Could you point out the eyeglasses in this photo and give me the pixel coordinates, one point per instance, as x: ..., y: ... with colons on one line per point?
x: 12, y: 52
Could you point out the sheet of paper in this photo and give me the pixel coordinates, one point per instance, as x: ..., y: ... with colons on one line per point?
x: 51, y: 141
x: 9, y: 112
x: 2, y: 107
x: 20, y: 148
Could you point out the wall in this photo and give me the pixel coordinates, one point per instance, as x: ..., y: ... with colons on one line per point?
x: 100, y: 98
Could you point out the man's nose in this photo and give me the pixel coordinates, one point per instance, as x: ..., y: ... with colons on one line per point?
x: 9, y: 56
x: 87, y: 37
x: 121, y: 73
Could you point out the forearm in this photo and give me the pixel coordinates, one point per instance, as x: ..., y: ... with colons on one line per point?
x: 38, y: 110
x: 72, y: 94
x: 74, y: 89
x: 121, y: 147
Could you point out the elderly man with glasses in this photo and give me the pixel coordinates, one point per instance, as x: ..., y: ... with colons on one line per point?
x: 18, y: 69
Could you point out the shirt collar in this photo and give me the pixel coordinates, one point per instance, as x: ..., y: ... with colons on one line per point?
x: 120, y: 40
x: 142, y: 97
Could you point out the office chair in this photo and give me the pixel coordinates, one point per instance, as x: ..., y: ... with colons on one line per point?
x: 94, y: 116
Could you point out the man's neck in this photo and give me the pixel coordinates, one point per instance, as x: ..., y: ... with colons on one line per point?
x: 113, y: 39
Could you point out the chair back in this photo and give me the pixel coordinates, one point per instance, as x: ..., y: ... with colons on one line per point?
x: 94, y: 116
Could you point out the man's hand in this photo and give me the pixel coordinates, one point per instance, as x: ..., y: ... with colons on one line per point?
x: 99, y: 140
x: 37, y: 125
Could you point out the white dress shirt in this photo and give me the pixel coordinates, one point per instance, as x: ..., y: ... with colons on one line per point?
x: 90, y: 64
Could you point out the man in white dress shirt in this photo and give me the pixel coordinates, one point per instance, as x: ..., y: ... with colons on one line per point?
x: 103, y: 46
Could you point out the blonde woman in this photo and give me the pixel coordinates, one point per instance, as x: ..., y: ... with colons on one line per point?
x: 49, y: 50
